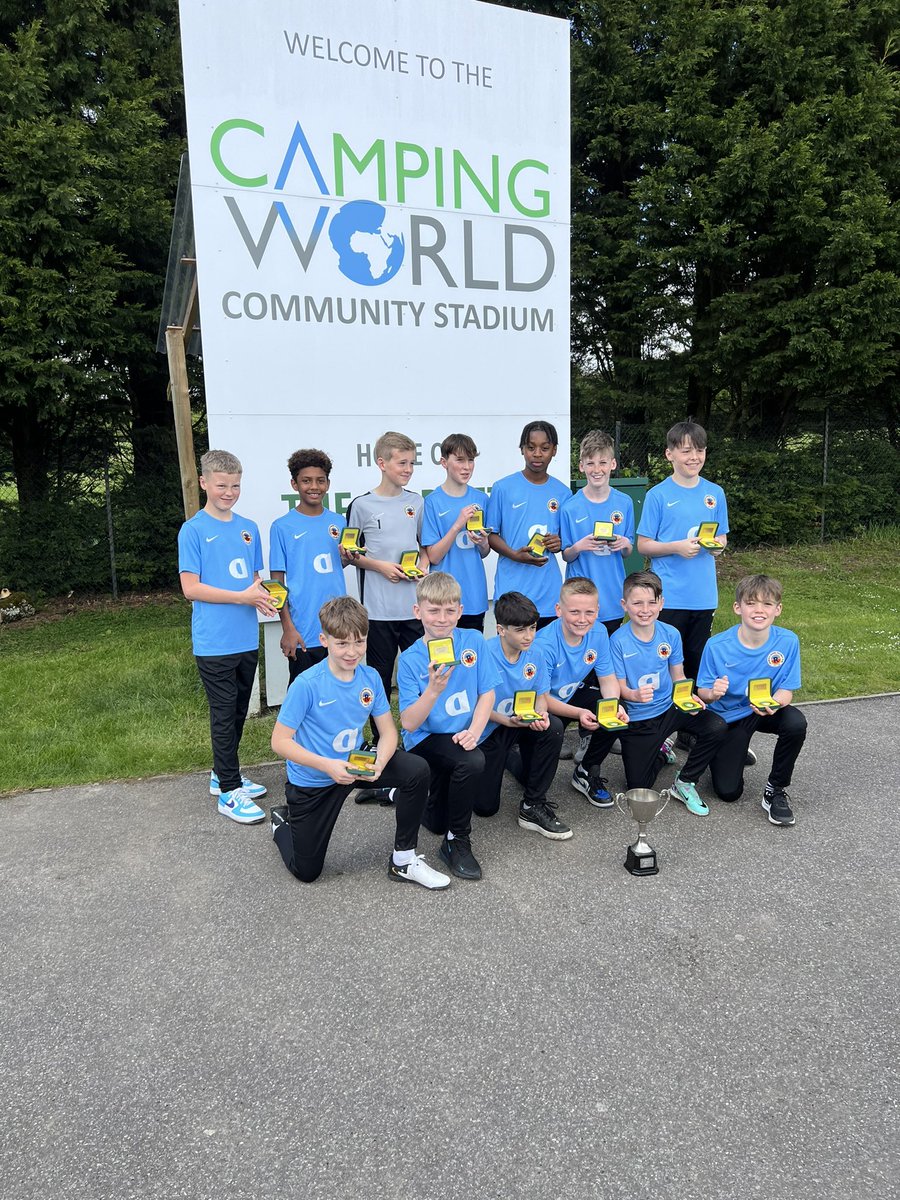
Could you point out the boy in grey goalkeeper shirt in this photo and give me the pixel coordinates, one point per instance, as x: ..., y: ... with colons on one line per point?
x: 390, y: 522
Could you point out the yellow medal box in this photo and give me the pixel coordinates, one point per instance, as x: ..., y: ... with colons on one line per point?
x: 523, y: 706
x: 759, y: 693
x: 475, y: 523
x: 535, y: 546
x: 278, y: 593
x: 608, y: 714
x: 440, y: 652
x: 349, y: 542
x: 409, y: 564
x: 361, y: 762
x: 706, y: 535
x: 683, y: 696
x: 604, y: 532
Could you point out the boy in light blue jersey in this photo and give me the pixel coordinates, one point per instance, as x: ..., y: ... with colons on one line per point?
x: 668, y: 529
x: 305, y: 555
x: 319, y: 726
x: 443, y: 712
x: 521, y: 505
x: 219, y: 561
x: 576, y: 648
x: 449, y: 545
x: 756, y: 648
x: 648, y: 659
x: 537, y: 741
x: 585, y: 555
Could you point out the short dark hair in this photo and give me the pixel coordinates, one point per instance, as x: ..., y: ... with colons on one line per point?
x: 458, y: 443
x: 343, y: 617
x: 686, y: 431
x: 309, y: 458
x: 639, y: 579
x: 758, y: 587
x: 512, y: 608
x: 539, y: 427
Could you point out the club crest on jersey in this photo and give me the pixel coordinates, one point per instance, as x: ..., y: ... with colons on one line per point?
x: 663, y: 649
x: 709, y: 501
x: 468, y: 658
x: 409, y: 510
x: 775, y: 659
x: 617, y: 517
x: 590, y: 657
x: 334, y: 531
x: 553, y: 505
x: 247, y: 536
x: 367, y: 697
x: 529, y: 671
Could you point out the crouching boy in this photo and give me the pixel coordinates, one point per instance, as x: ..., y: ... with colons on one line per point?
x: 539, y: 740
x: 648, y: 660
x: 444, y: 708
x: 755, y: 654
x: 319, y: 726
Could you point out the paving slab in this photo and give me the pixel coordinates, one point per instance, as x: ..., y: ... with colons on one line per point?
x: 183, y: 1018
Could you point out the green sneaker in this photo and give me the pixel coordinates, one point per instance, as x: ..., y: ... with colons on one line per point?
x: 687, y: 794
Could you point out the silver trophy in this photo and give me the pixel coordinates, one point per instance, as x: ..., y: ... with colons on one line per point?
x: 643, y: 804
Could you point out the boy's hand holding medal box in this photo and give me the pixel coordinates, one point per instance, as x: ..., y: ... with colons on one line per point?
x: 523, y: 707
x: 706, y: 536
x: 535, y: 546
x: 603, y: 531
x: 361, y: 762
x: 475, y: 523
x: 349, y: 542
x: 441, y: 653
x: 409, y: 564
x: 278, y: 593
x: 608, y: 714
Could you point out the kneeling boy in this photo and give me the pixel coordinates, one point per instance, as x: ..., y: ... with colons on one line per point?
x: 320, y: 724
x: 444, y: 708
x: 576, y: 648
x: 648, y: 659
x: 539, y: 741
x: 755, y: 649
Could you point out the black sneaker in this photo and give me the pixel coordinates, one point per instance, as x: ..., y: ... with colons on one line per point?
x: 458, y: 856
x: 775, y: 802
x: 278, y: 816
x: 542, y: 819
x: 593, y: 785
x: 750, y: 759
x: 376, y: 795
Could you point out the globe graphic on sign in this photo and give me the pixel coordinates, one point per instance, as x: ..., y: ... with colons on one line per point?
x: 367, y: 252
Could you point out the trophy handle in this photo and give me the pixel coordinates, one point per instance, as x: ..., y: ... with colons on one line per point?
x: 621, y: 796
x: 667, y: 792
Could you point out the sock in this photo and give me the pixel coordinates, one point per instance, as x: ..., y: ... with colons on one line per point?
x: 770, y: 788
x: 449, y: 836
x: 402, y: 858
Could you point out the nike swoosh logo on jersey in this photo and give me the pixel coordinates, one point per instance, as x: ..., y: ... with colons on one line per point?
x: 672, y: 503
x: 444, y: 513
x: 731, y: 664
x: 578, y: 520
x: 521, y: 504
x: 323, y: 703
x: 299, y: 535
x: 633, y: 654
x: 213, y: 538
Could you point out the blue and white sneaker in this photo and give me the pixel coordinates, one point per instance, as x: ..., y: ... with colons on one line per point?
x: 253, y: 790
x: 240, y: 807
x: 593, y: 785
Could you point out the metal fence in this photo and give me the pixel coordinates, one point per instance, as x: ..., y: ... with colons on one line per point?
x: 110, y: 531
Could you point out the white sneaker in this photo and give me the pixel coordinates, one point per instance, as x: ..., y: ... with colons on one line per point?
x: 253, y: 790
x: 239, y: 807
x: 418, y: 871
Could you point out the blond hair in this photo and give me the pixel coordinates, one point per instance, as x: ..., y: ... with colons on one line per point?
x: 438, y: 588
x: 578, y: 585
x: 389, y: 442
x: 596, y: 442
x: 220, y: 460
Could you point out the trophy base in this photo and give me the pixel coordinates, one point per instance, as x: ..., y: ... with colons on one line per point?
x: 641, y: 864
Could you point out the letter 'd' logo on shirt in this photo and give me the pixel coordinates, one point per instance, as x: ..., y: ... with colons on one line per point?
x: 238, y: 569
x: 457, y: 704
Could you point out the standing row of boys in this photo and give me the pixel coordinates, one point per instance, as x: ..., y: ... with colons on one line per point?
x: 471, y: 708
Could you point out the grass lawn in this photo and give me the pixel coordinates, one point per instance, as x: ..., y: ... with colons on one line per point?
x: 112, y: 692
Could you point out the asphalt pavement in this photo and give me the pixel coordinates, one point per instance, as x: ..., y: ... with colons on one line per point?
x: 183, y: 1018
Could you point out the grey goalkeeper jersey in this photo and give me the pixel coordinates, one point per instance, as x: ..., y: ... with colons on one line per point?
x: 389, y: 525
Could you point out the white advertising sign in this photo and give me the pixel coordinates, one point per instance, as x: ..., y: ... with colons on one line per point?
x: 381, y: 206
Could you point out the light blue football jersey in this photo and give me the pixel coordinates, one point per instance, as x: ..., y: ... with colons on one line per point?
x: 225, y: 554
x: 474, y: 674
x: 605, y: 567
x: 568, y: 665
x: 725, y: 655
x: 672, y: 513
x: 640, y: 663
x: 517, y: 509
x: 306, y: 549
x: 463, y: 560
